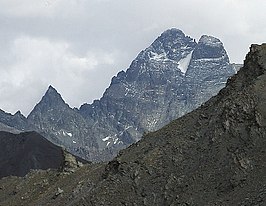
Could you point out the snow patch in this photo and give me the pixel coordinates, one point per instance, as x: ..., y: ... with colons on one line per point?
x: 184, y: 63
x: 74, y: 141
x: 106, y: 138
x: 128, y: 127
x: 156, y: 57
x: 110, y: 139
x: 116, y: 140
x: 67, y: 133
x: 210, y: 41
x: 210, y: 59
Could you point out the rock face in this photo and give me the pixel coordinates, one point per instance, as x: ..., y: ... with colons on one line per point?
x: 214, y: 155
x: 170, y: 78
x: 19, y: 153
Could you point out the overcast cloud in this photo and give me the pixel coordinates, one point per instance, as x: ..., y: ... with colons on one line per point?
x: 78, y: 45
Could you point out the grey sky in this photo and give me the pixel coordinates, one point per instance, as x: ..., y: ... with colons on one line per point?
x: 78, y: 45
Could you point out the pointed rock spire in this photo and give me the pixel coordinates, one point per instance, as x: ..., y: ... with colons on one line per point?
x: 209, y: 47
x: 172, y: 44
x: 52, y: 97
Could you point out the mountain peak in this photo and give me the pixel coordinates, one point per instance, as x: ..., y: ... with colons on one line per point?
x: 210, y: 47
x: 19, y: 114
x: 51, y: 99
x: 173, y: 32
x: 210, y: 41
x: 51, y: 90
x: 254, y: 66
x: 172, y: 37
x: 52, y: 93
x: 172, y: 44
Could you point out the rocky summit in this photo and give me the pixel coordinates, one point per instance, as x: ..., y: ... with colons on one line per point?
x: 170, y: 78
x: 214, y: 155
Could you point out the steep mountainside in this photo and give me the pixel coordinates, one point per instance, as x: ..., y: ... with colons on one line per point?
x: 171, y: 77
x: 214, y: 155
x: 19, y: 153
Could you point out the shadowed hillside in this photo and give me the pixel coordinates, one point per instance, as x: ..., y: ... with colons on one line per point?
x: 19, y: 153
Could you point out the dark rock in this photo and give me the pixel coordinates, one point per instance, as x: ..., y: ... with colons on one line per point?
x: 20, y: 153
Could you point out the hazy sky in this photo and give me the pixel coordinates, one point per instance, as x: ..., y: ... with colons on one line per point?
x: 78, y: 45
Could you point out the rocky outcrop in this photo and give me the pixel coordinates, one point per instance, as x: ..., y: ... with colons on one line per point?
x: 71, y: 163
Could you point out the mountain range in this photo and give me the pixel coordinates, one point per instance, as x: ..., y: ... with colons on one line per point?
x: 170, y: 78
x: 214, y: 155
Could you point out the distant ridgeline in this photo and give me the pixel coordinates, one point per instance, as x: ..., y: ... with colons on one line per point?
x: 170, y: 78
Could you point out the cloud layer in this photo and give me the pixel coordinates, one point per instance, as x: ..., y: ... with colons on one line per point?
x: 78, y: 45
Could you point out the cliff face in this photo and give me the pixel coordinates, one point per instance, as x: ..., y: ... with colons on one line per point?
x: 214, y: 155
